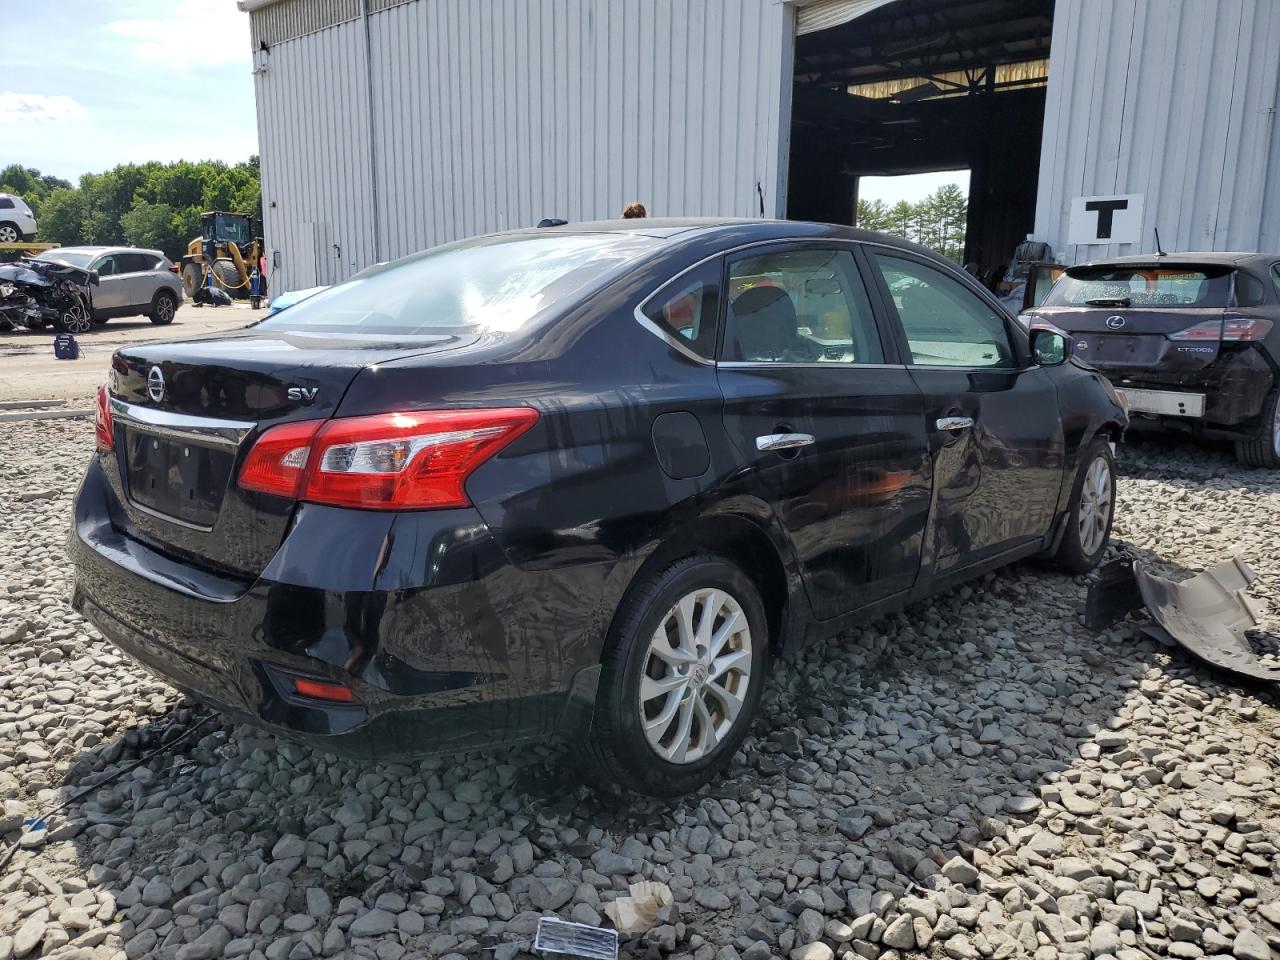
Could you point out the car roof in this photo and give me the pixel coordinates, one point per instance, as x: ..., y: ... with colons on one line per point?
x: 742, y: 229
x: 102, y: 250
x: 1225, y: 258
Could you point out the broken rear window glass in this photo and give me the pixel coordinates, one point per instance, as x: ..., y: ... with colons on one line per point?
x: 1142, y: 286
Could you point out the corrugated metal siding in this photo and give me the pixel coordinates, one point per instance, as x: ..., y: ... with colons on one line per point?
x: 315, y: 170
x: 491, y: 114
x: 1172, y: 99
x: 289, y: 19
x: 824, y: 14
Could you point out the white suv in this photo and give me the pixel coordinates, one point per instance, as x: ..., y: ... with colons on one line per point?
x: 17, y: 222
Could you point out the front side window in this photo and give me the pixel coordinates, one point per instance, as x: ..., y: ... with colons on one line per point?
x: 800, y: 306
x: 106, y: 267
x: 488, y: 284
x: 687, y: 309
x: 947, y: 325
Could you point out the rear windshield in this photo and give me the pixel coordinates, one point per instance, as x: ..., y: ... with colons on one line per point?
x: 1139, y: 286
x: 75, y: 259
x: 488, y: 284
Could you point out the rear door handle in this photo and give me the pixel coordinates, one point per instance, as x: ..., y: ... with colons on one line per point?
x: 783, y: 441
x: 954, y: 423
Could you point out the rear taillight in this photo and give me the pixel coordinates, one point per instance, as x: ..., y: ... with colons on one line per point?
x: 1233, y: 329
x: 103, y: 428
x: 277, y: 463
x: 320, y: 690
x: 173, y: 268
x: 389, y: 461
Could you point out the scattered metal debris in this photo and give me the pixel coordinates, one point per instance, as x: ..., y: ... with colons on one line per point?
x: 1210, y: 615
x: 576, y: 939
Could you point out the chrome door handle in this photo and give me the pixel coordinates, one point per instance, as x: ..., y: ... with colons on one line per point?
x: 954, y: 423
x: 783, y: 441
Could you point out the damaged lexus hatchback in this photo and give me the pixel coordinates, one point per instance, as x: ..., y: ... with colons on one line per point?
x: 586, y: 480
x: 1192, y: 341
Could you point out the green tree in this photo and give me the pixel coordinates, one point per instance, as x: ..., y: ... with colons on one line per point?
x: 61, y: 217
x: 153, y: 225
x: 30, y: 184
x: 873, y: 215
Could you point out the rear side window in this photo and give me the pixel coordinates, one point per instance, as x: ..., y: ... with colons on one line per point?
x: 488, y: 284
x: 6, y: 203
x: 687, y: 308
x: 947, y: 324
x: 135, y: 262
x: 1249, y: 290
x: 800, y: 306
x: 1142, y: 286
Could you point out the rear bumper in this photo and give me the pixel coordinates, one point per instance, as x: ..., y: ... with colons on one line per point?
x: 1234, y: 388
x: 433, y: 667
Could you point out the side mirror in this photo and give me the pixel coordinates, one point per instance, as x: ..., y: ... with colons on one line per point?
x: 1049, y: 348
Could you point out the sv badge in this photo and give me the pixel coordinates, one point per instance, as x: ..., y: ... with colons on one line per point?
x: 303, y: 394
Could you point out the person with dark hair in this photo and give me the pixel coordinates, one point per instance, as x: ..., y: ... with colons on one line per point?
x: 634, y: 211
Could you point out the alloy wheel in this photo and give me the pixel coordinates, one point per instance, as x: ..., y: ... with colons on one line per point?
x: 8, y: 234
x: 77, y: 319
x: 164, y: 309
x: 1095, y: 505
x: 696, y: 675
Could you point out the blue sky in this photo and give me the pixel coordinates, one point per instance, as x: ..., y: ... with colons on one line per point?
x: 912, y: 187
x: 88, y: 84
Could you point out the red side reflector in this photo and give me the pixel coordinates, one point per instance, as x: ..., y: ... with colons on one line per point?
x: 103, y: 427
x: 319, y: 690
x: 418, y: 460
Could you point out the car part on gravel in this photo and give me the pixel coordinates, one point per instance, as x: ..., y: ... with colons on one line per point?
x: 575, y: 939
x: 35, y: 293
x: 1210, y: 615
x: 638, y: 912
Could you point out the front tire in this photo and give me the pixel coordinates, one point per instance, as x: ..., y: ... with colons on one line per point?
x: 163, y: 306
x: 681, y: 678
x: 75, y: 319
x: 1262, y: 447
x: 1093, y: 508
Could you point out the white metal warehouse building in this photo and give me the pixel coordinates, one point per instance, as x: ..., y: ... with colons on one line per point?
x: 387, y: 126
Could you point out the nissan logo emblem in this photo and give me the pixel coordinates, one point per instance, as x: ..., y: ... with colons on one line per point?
x: 155, y: 384
x: 1115, y: 323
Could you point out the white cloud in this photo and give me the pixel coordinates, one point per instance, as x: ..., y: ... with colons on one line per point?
x: 193, y: 33
x: 38, y: 108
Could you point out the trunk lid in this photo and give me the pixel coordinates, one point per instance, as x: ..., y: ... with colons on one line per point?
x: 186, y: 413
x: 1136, y: 338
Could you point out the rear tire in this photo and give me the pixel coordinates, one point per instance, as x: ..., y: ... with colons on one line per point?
x: 1262, y: 447
x: 163, y: 306
x: 1093, y: 509
x: 9, y: 233
x: 674, y: 704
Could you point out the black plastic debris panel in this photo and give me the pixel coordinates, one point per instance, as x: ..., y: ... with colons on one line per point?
x: 575, y: 939
x: 1211, y: 615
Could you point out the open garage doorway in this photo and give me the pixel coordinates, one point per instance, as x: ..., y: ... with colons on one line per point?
x: 884, y: 88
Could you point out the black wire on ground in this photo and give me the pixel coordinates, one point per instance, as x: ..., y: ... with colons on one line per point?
x: 44, y: 817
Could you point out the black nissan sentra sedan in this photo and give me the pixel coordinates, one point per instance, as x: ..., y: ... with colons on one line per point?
x: 587, y: 480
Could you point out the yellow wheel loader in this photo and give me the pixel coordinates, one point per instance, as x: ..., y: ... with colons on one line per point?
x: 225, y: 251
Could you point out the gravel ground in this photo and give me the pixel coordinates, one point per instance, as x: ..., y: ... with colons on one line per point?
x: 979, y: 776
